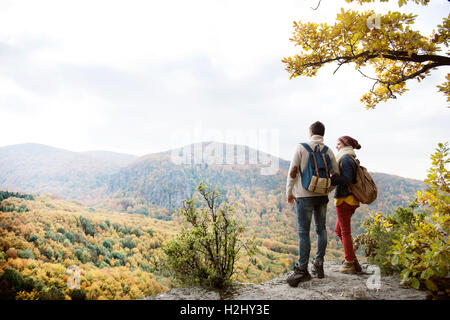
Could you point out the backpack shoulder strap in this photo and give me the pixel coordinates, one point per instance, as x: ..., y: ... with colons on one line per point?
x: 354, y: 161
x: 325, y: 149
x: 306, y: 146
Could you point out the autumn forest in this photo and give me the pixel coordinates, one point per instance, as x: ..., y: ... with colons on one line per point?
x: 115, y: 241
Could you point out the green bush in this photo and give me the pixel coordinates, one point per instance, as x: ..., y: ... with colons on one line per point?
x: 146, y: 267
x: 100, y: 250
x: 204, y: 254
x: 136, y: 232
x: 33, y: 238
x: 77, y: 294
x: 53, y: 293
x: 381, y: 231
x: 102, y: 264
x: 25, y: 254
x: 425, y: 253
x: 23, y: 208
x: 82, y: 255
x: 117, y: 255
x: 123, y: 229
x: 107, y: 261
x: 12, y: 281
x: 10, y: 208
x: 51, y: 235
x: 70, y: 236
x: 108, y: 244
x: 141, y: 210
x: 87, y: 226
x: 48, y: 252
x: 416, y: 244
x: 128, y: 243
x: 6, y: 194
x: 60, y: 255
x: 118, y: 263
x: 14, y: 278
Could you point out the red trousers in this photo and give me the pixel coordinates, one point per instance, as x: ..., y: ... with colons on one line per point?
x: 343, y: 230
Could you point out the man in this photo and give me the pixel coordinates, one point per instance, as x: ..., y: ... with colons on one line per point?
x: 308, y: 204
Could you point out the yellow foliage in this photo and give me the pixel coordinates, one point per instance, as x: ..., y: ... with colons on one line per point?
x: 24, y: 295
x: 387, y: 43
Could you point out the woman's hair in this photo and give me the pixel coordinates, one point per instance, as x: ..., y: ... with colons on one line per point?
x: 349, y: 141
x: 317, y: 128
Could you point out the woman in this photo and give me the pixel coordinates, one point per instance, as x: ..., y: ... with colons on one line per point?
x: 344, y: 201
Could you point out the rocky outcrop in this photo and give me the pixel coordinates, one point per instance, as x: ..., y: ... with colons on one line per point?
x: 335, y: 286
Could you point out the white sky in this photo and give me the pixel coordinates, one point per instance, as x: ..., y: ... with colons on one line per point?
x: 129, y: 76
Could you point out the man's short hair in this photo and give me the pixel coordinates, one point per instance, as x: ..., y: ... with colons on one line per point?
x: 317, y: 128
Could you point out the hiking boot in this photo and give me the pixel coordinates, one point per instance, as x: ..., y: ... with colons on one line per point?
x: 317, y: 269
x: 357, y: 265
x: 348, y: 267
x: 299, y: 275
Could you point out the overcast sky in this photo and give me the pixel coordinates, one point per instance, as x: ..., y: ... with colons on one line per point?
x: 147, y: 76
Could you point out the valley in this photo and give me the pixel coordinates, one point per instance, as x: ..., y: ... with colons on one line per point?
x: 110, y: 214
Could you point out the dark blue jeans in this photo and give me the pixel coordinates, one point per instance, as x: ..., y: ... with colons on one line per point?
x: 305, y: 209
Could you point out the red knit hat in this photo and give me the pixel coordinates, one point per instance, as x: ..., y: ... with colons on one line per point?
x: 349, y: 141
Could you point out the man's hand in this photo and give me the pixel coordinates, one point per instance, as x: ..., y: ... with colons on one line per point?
x: 291, y: 199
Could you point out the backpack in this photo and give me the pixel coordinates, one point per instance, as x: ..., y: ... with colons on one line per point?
x: 316, y: 176
x: 364, y: 190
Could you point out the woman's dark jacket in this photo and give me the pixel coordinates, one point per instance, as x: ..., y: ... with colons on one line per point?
x: 348, y: 175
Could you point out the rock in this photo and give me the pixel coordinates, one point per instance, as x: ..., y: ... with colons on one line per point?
x: 335, y: 286
x: 187, y: 294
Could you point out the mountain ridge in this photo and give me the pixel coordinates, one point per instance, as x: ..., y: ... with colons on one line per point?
x: 103, y: 153
x: 155, y: 177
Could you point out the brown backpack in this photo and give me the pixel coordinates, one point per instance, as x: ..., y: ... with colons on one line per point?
x: 365, y: 189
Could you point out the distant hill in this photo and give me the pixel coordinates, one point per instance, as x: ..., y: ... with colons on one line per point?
x: 158, y: 178
x: 39, y: 168
x: 114, y: 158
x: 394, y: 191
